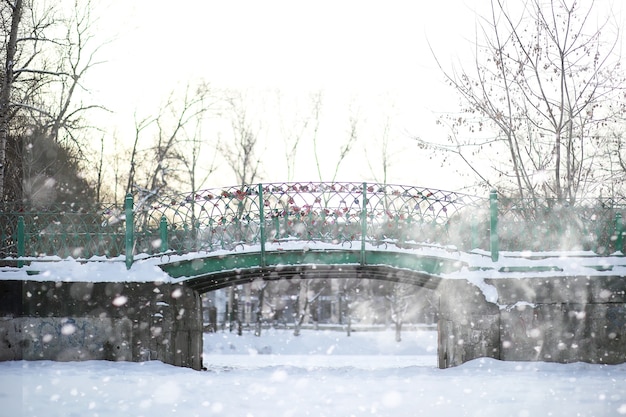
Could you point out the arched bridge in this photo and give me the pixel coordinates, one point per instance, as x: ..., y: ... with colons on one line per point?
x: 347, y: 216
x: 215, y: 238
x: 316, y: 230
x: 310, y: 260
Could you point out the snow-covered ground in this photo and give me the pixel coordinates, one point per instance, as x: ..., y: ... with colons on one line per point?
x: 323, y: 373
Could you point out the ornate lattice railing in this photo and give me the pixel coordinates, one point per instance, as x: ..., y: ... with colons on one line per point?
x: 336, y: 213
x: 227, y: 217
x: 589, y: 224
x: 64, y: 230
x: 340, y: 213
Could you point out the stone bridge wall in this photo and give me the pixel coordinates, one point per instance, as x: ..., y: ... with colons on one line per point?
x: 554, y: 319
x: 562, y: 319
x: 111, y: 321
x: 469, y: 326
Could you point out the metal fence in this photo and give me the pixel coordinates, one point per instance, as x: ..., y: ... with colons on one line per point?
x: 63, y: 230
x: 226, y: 217
x: 589, y: 224
x: 341, y: 213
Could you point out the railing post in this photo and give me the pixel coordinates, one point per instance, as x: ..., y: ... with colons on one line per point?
x: 363, y: 222
x: 262, y: 225
x: 493, y: 231
x: 619, y: 230
x: 163, y: 234
x: 130, y: 229
x: 21, y: 247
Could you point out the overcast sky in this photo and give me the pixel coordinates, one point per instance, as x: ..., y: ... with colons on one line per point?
x: 286, y: 44
x: 373, y: 55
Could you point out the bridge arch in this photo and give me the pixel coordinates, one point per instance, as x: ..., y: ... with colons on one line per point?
x: 464, y: 313
x: 217, y: 271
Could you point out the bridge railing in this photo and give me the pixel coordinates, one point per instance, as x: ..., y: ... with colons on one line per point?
x: 225, y: 218
x: 589, y: 224
x: 64, y: 230
x: 341, y: 213
x: 336, y: 213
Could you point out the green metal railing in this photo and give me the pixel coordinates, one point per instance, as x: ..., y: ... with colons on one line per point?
x: 589, y: 224
x: 340, y: 213
x: 63, y: 230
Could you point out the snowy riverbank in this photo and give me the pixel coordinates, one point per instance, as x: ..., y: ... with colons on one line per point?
x: 320, y: 373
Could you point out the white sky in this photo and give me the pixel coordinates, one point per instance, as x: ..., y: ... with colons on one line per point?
x: 370, y: 55
x: 349, y: 45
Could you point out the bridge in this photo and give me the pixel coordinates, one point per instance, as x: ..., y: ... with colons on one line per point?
x: 462, y: 246
x: 311, y: 260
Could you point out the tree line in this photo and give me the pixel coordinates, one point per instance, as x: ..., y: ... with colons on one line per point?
x: 542, y: 110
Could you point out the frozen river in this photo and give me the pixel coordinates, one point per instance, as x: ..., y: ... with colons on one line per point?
x: 316, y: 374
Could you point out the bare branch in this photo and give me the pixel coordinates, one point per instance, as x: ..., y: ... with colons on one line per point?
x: 542, y: 82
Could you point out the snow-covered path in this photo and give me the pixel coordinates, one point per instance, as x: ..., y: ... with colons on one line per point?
x: 317, y: 374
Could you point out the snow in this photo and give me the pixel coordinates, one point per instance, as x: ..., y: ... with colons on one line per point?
x: 475, y: 266
x: 319, y: 373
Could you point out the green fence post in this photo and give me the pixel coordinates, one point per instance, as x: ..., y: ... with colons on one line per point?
x: 363, y: 223
x: 21, y: 247
x: 493, y: 232
x: 619, y: 230
x: 130, y: 229
x: 262, y: 225
x: 163, y: 233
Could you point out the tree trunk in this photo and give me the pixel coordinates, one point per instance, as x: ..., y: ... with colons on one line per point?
x: 348, y: 319
x: 5, y: 92
x: 233, y: 309
x: 302, y: 304
x: 259, y: 311
x: 398, y: 331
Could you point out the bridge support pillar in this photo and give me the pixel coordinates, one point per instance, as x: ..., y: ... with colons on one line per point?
x: 469, y: 325
x: 563, y: 319
x: 118, y: 321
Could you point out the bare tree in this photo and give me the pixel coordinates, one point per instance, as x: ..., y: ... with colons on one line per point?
x: 190, y: 155
x: 241, y: 153
x: 544, y: 86
x: 292, y: 136
x: 160, y: 150
x: 46, y: 54
x: 382, y: 154
x: 140, y: 126
x: 7, y: 111
x: 399, y: 304
x: 259, y: 286
x: 347, y: 290
x: 80, y: 56
x: 305, y: 299
x: 316, y: 103
x: 344, y: 148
